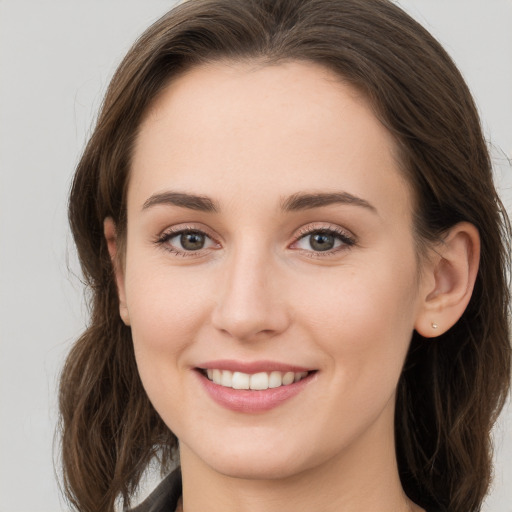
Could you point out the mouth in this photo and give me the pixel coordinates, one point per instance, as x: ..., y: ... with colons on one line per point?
x: 253, y: 386
x: 252, y: 381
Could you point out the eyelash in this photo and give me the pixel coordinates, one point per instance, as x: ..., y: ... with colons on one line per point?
x: 170, y: 233
x: 347, y: 240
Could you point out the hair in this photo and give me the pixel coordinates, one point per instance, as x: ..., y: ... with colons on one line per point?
x: 451, y: 389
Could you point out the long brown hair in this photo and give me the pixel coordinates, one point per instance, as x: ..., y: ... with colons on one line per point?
x: 451, y: 389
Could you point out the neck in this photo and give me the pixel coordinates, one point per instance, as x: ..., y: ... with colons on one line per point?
x: 363, y: 477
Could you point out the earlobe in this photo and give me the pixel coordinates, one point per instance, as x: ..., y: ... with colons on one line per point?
x: 449, y: 280
x: 109, y: 231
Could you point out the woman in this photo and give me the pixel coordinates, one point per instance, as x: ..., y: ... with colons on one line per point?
x: 298, y: 269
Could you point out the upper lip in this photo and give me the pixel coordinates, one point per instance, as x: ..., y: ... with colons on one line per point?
x: 252, y: 366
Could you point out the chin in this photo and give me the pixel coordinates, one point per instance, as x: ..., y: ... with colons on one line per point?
x: 260, y: 468
x: 262, y: 459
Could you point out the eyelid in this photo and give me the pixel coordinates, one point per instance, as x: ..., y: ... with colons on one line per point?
x: 313, y: 227
x: 168, y: 233
x: 347, y: 237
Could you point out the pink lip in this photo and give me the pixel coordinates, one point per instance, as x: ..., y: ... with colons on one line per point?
x: 252, y: 367
x: 249, y: 401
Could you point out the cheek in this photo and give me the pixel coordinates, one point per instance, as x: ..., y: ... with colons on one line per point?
x: 166, y: 311
x: 166, y: 314
x: 364, y: 320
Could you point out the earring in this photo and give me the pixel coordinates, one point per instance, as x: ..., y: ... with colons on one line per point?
x: 434, y: 325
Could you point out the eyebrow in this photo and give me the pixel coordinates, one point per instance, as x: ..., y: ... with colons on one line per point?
x: 306, y: 201
x: 190, y: 201
x: 293, y: 203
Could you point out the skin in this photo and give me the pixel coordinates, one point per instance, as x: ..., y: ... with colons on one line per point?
x: 249, y: 136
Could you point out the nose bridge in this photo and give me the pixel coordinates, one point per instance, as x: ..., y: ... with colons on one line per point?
x: 250, y: 302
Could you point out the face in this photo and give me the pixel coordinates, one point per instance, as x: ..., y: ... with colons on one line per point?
x: 269, y: 245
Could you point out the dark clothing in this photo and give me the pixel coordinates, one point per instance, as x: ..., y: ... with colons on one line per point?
x: 165, y: 497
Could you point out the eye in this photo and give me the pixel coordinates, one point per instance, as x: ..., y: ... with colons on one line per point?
x: 185, y: 241
x: 323, y: 240
x: 192, y: 241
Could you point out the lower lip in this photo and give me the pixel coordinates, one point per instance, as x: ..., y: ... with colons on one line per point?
x: 249, y: 401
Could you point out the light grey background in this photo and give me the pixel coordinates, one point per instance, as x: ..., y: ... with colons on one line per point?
x: 56, y: 58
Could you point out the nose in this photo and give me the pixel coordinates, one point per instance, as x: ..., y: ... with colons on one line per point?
x: 251, y: 301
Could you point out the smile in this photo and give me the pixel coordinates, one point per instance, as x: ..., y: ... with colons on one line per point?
x: 253, y: 387
x: 256, y: 381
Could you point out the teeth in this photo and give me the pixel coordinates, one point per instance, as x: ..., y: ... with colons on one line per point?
x: 288, y: 378
x: 227, y: 379
x: 259, y: 381
x: 256, y: 381
x: 217, y: 376
x: 275, y: 379
x: 240, y: 381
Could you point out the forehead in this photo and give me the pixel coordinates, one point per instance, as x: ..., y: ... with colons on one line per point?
x: 296, y: 125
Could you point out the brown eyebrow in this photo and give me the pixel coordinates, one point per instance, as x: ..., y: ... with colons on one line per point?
x: 190, y: 201
x: 306, y: 201
x: 295, y: 202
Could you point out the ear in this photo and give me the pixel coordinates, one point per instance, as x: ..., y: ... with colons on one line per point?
x: 448, y: 280
x: 109, y: 230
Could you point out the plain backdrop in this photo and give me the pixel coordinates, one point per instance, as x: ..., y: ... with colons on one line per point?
x: 56, y: 58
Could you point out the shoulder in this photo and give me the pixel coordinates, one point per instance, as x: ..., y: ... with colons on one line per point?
x: 164, y: 498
